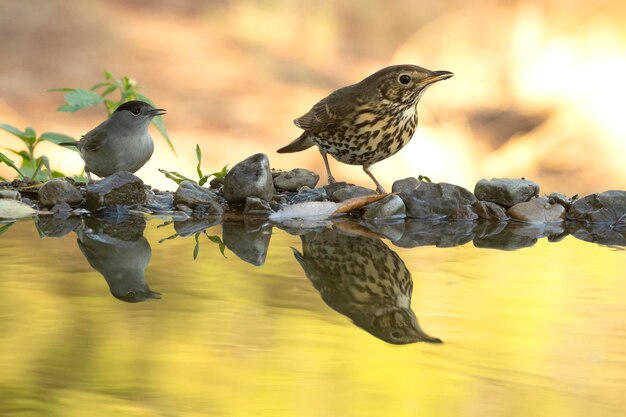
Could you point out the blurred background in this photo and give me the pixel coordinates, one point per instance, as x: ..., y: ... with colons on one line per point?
x: 537, y: 93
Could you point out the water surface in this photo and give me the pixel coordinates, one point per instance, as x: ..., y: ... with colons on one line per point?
x: 537, y: 331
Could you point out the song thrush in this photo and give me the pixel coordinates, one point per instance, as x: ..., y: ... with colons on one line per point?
x: 367, y: 122
x: 360, y: 277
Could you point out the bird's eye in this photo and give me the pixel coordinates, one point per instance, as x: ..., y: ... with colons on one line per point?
x: 396, y: 335
x: 404, y: 79
x: 136, y: 111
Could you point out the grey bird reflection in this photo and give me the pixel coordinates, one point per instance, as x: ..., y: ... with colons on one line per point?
x: 361, y: 278
x: 118, y: 251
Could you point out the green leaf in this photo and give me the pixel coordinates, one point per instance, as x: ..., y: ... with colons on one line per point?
x: 222, y: 173
x: 64, y: 90
x: 5, y: 226
x: 174, y: 176
x: 174, y: 236
x: 216, y: 239
x: 57, y: 138
x: 199, y: 156
x: 423, y: 178
x: 14, y: 131
x: 78, y: 99
x: 108, y: 91
x: 196, y: 248
x: 102, y: 84
x: 9, y: 162
x: 204, y: 179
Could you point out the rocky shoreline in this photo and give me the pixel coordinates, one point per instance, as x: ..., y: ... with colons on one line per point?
x: 444, y: 214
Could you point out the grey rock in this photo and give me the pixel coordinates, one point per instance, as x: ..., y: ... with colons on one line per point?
x: 392, y: 229
x: 349, y: 192
x: 184, y: 208
x: 256, y: 207
x: 10, y: 194
x: 249, y: 245
x: 443, y: 234
x: 506, y: 192
x: 435, y: 201
x: 405, y: 185
x: 193, y: 195
x: 216, y: 183
x: 537, y: 210
x: 316, y: 194
x: 58, y: 191
x: 602, y: 234
x: 561, y: 199
x: 391, y: 206
x: 121, y: 188
x: 159, y: 203
x: 487, y: 210
x: 504, y: 240
x: 295, y: 179
x: 606, y: 207
x: 331, y: 188
x: 464, y: 213
x: 249, y: 178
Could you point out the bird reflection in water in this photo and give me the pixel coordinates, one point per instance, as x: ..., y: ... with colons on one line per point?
x: 118, y: 251
x: 360, y: 277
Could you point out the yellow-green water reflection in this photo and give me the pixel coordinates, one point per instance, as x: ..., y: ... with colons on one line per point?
x: 534, y: 332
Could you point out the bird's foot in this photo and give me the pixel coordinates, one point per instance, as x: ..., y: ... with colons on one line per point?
x: 380, y: 189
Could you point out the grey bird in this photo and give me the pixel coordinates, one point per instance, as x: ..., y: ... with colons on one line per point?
x: 120, y: 143
x: 360, y: 277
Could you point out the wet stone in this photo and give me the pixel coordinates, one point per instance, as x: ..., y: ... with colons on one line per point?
x: 54, y: 226
x: 391, y: 206
x: 121, y: 188
x: 159, y: 203
x: 436, y: 201
x: 10, y: 194
x: 506, y: 192
x: 561, y: 199
x: 193, y: 196
x: 606, y: 207
x: 256, y: 207
x: 405, y: 185
x: 487, y: 210
x: 443, y: 234
x: 58, y: 191
x: 351, y: 191
x: 537, y: 210
x: 316, y: 194
x: 295, y: 179
x: 249, y: 178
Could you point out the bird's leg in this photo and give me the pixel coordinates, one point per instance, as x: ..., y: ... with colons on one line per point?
x: 331, y: 179
x: 89, y: 180
x: 379, y: 187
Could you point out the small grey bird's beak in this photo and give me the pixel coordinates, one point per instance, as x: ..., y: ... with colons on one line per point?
x: 156, y: 112
x: 437, y: 76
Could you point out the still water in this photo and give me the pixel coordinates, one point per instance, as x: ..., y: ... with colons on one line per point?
x: 115, y: 320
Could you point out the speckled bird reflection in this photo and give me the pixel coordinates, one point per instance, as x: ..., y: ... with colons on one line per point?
x: 361, y: 278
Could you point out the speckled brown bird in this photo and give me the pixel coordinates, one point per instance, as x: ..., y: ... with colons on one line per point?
x: 367, y: 122
x: 360, y: 277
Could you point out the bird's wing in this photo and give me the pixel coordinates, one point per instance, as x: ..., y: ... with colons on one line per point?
x: 329, y: 111
x: 93, y: 140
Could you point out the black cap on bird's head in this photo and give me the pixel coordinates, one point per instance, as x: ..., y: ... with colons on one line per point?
x: 139, y: 108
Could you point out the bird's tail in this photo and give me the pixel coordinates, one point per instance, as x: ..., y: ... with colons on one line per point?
x: 303, y: 142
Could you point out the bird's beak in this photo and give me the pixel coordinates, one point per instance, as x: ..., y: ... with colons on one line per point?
x: 437, y: 76
x: 156, y: 112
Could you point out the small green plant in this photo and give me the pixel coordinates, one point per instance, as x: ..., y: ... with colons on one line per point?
x: 423, y: 178
x: 100, y: 93
x: 32, y: 165
x: 202, y: 177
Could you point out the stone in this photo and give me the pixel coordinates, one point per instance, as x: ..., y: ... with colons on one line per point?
x: 561, y: 199
x: 435, y: 201
x: 316, y: 194
x: 121, y: 188
x: 349, y: 192
x: 58, y: 191
x: 391, y: 206
x: 249, y: 245
x: 601, y: 233
x: 188, y: 227
x: 296, y: 178
x: 506, y: 192
x: 193, y: 195
x: 537, y: 210
x: 487, y: 210
x: 10, y: 194
x: 256, y: 207
x: 606, y: 207
x: 159, y: 203
x: 249, y: 178
x: 464, y: 213
x: 405, y: 185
